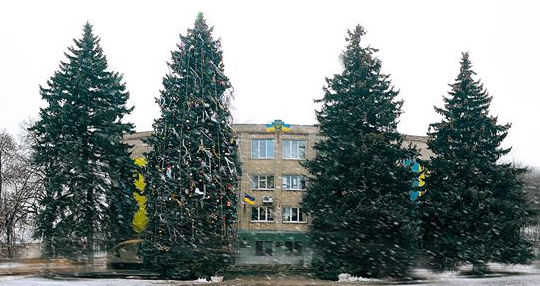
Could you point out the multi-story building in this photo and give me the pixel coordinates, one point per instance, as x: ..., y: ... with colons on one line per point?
x: 272, y: 227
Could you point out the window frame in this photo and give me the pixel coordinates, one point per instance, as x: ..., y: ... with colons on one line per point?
x: 300, y: 178
x: 293, y: 144
x: 293, y: 248
x: 256, y: 154
x: 300, y: 215
x: 264, y: 251
x: 258, y: 181
x: 267, y: 214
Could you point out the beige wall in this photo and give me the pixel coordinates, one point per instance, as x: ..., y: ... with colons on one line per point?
x: 276, y: 167
x: 136, y: 140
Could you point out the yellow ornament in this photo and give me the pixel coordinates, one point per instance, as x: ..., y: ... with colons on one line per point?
x: 139, y: 183
x: 421, y: 179
x: 141, y: 162
x: 140, y: 219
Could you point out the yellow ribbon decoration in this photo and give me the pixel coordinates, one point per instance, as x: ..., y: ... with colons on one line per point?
x: 140, y: 219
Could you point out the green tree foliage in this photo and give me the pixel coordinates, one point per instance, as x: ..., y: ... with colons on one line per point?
x: 193, y: 167
x: 79, y: 146
x: 475, y: 208
x: 358, y: 196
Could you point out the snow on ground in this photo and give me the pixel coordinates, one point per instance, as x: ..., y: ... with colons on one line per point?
x: 511, y: 280
x: 496, y: 267
x: 518, y: 268
x: 38, y: 281
x: 520, y: 275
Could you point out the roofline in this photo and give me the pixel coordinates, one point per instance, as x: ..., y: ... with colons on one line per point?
x: 145, y: 134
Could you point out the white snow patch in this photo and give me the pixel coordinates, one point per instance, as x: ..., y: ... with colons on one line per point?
x: 37, y: 281
x: 346, y: 277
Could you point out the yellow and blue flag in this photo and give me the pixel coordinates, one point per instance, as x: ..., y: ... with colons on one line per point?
x: 278, y: 125
x: 249, y: 199
x: 419, y: 181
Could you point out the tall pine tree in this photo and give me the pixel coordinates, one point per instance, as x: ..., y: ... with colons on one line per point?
x: 358, y: 196
x: 79, y: 146
x: 193, y: 166
x: 475, y: 208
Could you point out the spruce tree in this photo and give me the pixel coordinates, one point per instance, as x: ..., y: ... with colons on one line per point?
x: 475, y: 208
x: 79, y: 146
x: 193, y: 167
x: 358, y: 196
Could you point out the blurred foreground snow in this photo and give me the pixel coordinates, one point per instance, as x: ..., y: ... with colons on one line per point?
x: 506, y: 275
x: 38, y: 281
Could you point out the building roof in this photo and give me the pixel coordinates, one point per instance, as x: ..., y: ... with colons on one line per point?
x: 139, y: 147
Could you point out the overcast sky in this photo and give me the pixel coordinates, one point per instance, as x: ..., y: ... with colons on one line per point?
x: 278, y: 53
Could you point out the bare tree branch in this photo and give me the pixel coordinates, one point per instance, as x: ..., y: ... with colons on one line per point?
x: 21, y: 184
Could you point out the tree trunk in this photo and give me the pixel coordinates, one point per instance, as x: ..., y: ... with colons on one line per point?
x: 91, y: 249
x: 47, y: 247
x: 9, y: 241
x: 90, y: 225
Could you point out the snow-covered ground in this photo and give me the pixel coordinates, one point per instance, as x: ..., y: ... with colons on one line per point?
x: 511, y: 280
x: 520, y: 275
x: 501, y: 269
x: 38, y: 281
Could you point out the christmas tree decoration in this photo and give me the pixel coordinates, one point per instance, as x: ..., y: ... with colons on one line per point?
x: 476, y: 208
x: 193, y: 168
x: 358, y: 197
x: 88, y: 199
x: 140, y: 219
x: 418, y: 184
x: 169, y: 172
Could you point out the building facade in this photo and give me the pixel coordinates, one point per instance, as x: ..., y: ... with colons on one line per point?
x: 272, y: 227
x: 273, y: 230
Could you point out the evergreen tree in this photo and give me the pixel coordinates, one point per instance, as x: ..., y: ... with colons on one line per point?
x: 79, y: 147
x: 193, y: 167
x: 358, y: 197
x: 475, y: 207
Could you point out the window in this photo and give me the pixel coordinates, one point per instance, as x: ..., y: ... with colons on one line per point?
x: 263, y: 248
x: 293, y: 149
x: 262, y: 182
x: 262, y: 214
x: 294, y: 182
x: 293, y: 214
x: 262, y: 148
x: 293, y: 248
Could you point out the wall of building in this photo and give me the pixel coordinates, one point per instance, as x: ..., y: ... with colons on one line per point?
x: 277, y: 166
x: 278, y: 234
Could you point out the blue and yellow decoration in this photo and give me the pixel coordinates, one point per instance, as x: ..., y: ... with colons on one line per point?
x: 140, y: 219
x: 249, y: 199
x: 278, y: 126
x: 419, y: 182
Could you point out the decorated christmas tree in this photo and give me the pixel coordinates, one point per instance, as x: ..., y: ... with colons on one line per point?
x: 475, y: 209
x: 79, y: 146
x: 193, y: 168
x: 358, y: 196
